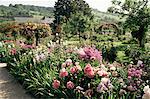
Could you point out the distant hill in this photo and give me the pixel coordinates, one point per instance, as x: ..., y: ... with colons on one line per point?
x: 25, y: 10
x: 104, y: 16
x: 30, y: 10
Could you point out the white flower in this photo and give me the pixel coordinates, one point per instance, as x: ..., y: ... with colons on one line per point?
x: 113, y: 68
x: 139, y: 63
x: 57, y: 41
x: 146, y: 92
x: 146, y: 88
x: 68, y: 61
x: 1, y: 44
x: 30, y: 53
x: 79, y: 88
x: 103, y: 67
x: 104, y: 80
x: 13, y: 45
x: 9, y: 46
x: 48, y: 45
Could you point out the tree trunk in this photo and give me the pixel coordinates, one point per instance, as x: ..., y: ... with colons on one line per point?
x: 37, y: 38
x: 79, y: 37
x: 141, y: 36
x: 142, y: 42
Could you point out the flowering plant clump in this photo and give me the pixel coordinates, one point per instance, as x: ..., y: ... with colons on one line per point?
x: 90, y: 53
x: 78, y: 73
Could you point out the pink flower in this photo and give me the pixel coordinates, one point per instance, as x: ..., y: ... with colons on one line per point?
x: 63, y: 65
x: 63, y: 73
x: 13, y: 51
x: 90, y: 53
x: 70, y: 85
x: 81, y: 52
x: 104, y: 85
x: 68, y: 62
x: 133, y: 72
x: 130, y: 88
x: 129, y: 77
x: 88, y: 70
x: 56, y: 84
x: 73, y: 70
x: 102, y: 73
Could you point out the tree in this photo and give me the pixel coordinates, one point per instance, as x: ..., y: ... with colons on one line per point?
x: 137, y: 13
x: 77, y: 24
x: 64, y: 10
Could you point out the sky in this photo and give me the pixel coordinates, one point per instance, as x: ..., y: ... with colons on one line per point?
x: 101, y: 5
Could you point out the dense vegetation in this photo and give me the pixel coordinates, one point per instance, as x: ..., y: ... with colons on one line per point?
x: 79, y: 60
x: 25, y: 10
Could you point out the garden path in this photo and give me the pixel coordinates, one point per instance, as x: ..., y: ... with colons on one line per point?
x: 10, y: 88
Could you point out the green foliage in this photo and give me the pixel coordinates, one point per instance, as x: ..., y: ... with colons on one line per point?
x: 65, y: 8
x: 77, y: 24
x: 137, y: 13
x: 135, y: 53
x: 109, y: 53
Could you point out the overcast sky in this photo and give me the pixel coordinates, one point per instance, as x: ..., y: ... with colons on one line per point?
x: 101, y: 5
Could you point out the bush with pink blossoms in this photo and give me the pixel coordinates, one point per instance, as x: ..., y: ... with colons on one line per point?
x: 90, y: 53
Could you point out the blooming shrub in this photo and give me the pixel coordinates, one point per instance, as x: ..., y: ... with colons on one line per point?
x: 90, y: 53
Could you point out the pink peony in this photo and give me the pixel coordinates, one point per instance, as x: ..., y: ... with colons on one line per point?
x: 88, y: 70
x: 63, y: 73
x: 73, y: 70
x: 70, y: 85
x: 56, y: 84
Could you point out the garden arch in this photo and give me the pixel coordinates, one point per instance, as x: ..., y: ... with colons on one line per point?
x: 108, y: 26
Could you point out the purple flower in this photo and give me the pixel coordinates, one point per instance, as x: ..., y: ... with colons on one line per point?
x: 104, y: 85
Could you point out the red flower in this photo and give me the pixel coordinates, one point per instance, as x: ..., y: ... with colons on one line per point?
x: 56, y: 84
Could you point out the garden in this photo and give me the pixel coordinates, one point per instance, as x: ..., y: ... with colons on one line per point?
x: 75, y: 57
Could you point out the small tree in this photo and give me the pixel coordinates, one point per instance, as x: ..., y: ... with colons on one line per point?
x: 76, y: 25
x: 64, y: 10
x: 137, y: 13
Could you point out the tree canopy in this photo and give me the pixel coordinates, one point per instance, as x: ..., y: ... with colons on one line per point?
x: 72, y: 13
x: 137, y: 13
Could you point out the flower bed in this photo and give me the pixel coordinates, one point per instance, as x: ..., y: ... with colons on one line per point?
x: 58, y: 72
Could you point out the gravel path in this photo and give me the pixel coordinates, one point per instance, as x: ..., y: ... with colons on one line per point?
x: 10, y: 88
